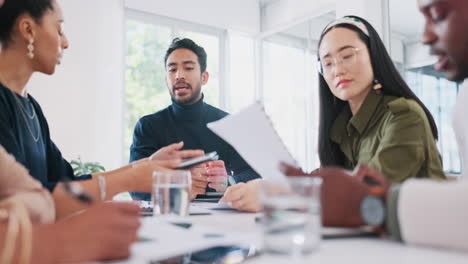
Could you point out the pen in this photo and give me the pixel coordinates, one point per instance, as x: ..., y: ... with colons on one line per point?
x: 76, y: 191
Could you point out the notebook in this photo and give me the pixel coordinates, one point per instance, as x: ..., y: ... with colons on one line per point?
x: 252, y: 134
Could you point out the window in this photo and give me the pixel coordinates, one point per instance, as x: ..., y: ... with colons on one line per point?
x: 439, y: 95
x: 290, y: 97
x: 241, y: 82
x: 145, y: 89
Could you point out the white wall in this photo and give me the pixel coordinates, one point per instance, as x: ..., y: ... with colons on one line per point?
x: 374, y: 11
x: 83, y: 100
x: 397, y: 48
x: 283, y: 14
x: 240, y: 15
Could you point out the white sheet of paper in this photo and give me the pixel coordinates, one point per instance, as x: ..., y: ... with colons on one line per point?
x: 210, y: 206
x: 252, y: 134
x: 167, y: 240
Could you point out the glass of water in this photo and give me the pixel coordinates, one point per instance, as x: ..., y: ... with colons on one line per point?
x: 171, y: 192
x: 292, y: 219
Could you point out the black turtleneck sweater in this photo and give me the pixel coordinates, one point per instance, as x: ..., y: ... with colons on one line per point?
x: 188, y: 124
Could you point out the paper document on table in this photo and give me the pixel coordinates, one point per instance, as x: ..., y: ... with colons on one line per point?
x: 252, y: 134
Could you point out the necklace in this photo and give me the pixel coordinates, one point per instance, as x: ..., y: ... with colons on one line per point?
x: 26, y: 115
x: 24, y: 110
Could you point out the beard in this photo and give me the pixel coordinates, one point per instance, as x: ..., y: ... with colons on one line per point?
x: 187, y: 100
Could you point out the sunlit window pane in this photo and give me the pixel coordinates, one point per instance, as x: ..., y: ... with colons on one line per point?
x: 439, y: 96
x: 285, y: 95
x: 242, y: 79
x: 145, y: 89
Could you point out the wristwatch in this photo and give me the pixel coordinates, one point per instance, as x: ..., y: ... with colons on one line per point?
x: 373, y: 210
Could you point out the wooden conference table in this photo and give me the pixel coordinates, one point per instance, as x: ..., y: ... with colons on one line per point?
x: 228, y: 227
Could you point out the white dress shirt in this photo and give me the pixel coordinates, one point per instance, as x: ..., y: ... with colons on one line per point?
x: 435, y: 213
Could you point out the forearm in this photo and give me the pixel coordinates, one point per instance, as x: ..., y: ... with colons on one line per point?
x: 120, y: 170
x: 43, y: 249
x: 117, y: 182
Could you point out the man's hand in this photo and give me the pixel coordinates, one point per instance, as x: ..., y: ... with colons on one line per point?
x: 209, y: 174
x: 174, y: 151
x: 199, y: 180
x: 216, y: 175
x: 342, y: 192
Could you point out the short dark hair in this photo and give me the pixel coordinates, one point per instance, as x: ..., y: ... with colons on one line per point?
x: 384, y: 71
x: 12, y: 9
x: 189, y: 44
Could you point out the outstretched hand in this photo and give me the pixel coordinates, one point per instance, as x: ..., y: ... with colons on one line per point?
x: 174, y: 151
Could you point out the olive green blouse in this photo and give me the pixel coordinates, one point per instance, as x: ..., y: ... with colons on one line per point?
x: 389, y: 134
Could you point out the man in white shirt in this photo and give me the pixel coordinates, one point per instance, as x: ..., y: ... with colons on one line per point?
x: 434, y: 213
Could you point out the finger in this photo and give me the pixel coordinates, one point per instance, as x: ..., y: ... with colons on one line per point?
x: 360, y: 172
x: 216, y: 163
x: 289, y: 170
x: 199, y: 177
x: 373, y: 178
x: 234, y: 194
x: 216, y: 172
x: 175, y: 146
x: 219, y: 187
x: 237, y: 186
x: 190, y: 153
x: 196, y: 190
x: 198, y: 170
x: 227, y: 195
x: 170, y: 164
x: 238, y: 204
x: 331, y: 171
x: 199, y: 184
x: 124, y: 207
x: 128, y: 223
x: 217, y: 179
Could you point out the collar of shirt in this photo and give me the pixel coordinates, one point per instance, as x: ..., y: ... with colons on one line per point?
x: 188, y: 112
x: 345, y: 122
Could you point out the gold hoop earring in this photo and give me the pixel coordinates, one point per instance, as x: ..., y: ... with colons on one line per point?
x: 31, y: 49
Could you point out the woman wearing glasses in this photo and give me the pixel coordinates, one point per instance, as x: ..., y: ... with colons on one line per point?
x: 368, y: 114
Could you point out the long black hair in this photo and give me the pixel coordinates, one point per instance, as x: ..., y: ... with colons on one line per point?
x: 384, y: 71
x: 12, y: 9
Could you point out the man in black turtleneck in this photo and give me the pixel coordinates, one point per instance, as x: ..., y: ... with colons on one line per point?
x: 185, y: 120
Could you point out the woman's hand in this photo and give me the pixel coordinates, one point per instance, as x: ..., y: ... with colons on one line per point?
x: 142, y: 173
x: 244, y: 196
x: 174, y: 151
x: 105, y: 231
